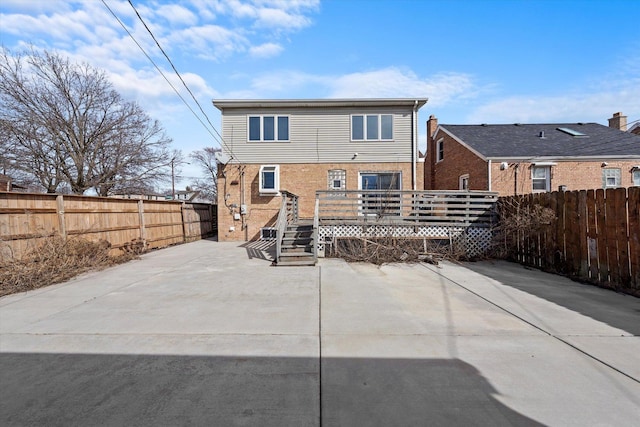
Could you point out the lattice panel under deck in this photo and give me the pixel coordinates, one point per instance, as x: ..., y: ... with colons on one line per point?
x: 475, y: 240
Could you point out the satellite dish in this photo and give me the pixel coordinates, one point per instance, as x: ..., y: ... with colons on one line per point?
x: 221, y: 157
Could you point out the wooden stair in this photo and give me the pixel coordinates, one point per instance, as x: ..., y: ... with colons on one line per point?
x: 297, y: 246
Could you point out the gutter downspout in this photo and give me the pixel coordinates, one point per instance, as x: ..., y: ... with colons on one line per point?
x: 414, y: 143
x: 489, y: 175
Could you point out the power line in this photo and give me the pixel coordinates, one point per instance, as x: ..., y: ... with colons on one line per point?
x: 179, y: 76
x: 167, y: 80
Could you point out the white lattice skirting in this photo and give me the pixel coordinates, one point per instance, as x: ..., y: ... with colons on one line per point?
x: 475, y: 240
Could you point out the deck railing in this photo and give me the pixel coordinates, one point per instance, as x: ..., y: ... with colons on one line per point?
x: 288, y: 214
x: 428, y: 208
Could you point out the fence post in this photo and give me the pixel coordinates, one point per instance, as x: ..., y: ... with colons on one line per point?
x: 210, y: 233
x: 143, y: 230
x: 184, y: 229
x: 61, y: 221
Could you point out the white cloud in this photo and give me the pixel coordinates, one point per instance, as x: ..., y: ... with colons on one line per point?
x: 35, y: 6
x: 266, y: 50
x: 442, y: 89
x: 395, y: 82
x: 588, y: 106
x: 595, y: 107
x: 210, y: 41
x: 65, y: 27
x: 177, y: 15
x: 281, y: 19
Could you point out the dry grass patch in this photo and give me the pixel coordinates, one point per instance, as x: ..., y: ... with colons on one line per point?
x: 53, y: 261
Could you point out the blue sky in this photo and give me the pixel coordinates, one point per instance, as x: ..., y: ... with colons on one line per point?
x: 491, y: 61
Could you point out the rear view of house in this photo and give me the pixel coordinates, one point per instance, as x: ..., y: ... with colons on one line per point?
x: 529, y: 158
x: 275, y: 147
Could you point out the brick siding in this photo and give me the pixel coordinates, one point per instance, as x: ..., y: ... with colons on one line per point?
x: 300, y: 179
x: 459, y: 160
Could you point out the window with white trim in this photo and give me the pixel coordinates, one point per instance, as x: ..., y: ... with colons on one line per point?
x: 371, y: 127
x: 541, y: 178
x: 611, y: 178
x: 463, y: 182
x: 440, y: 150
x: 269, y: 179
x: 635, y: 177
x: 268, y: 128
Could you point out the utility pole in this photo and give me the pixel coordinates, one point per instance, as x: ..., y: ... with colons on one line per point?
x: 173, y: 181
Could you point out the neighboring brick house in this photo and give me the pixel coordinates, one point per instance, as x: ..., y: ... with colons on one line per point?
x: 525, y: 158
x: 7, y: 184
x: 305, y: 145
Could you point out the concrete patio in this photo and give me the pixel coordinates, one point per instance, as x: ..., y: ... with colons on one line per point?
x: 209, y: 333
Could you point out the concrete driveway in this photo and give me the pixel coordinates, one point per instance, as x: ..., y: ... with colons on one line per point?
x: 209, y: 333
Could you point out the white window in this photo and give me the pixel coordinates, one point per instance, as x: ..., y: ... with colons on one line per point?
x: 371, y: 127
x: 440, y: 150
x: 269, y: 179
x: 611, y: 178
x: 635, y: 176
x: 464, y: 182
x: 268, y: 128
x: 541, y: 178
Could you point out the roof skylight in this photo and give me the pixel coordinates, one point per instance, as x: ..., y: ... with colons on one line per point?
x: 573, y: 132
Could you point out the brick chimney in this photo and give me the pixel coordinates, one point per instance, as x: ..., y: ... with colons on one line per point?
x: 432, y: 124
x: 618, y: 121
x: 430, y: 164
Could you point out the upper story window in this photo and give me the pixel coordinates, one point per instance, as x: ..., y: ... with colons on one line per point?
x: 268, y: 128
x: 371, y: 127
x: 611, y: 178
x: 440, y: 150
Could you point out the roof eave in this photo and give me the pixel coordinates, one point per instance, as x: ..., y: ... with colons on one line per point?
x: 222, y: 104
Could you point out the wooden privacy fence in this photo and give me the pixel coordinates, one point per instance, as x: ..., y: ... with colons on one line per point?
x: 26, y: 219
x: 595, y: 235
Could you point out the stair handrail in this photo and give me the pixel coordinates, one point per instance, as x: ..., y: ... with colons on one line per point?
x: 283, y: 219
x: 316, y: 215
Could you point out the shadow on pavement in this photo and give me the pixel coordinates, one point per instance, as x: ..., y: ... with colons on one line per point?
x: 615, y: 309
x: 84, y: 389
x: 261, y: 249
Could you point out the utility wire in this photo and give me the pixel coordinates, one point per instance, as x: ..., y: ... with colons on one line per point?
x: 178, y: 74
x: 165, y: 77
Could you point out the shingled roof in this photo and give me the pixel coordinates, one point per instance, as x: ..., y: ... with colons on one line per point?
x: 547, y: 140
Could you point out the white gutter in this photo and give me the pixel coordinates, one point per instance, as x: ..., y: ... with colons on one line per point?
x: 489, y: 175
x: 414, y: 148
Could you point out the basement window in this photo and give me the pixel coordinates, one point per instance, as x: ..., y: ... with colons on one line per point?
x: 268, y: 233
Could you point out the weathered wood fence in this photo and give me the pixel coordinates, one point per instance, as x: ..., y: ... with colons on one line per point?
x: 595, y: 235
x: 27, y: 218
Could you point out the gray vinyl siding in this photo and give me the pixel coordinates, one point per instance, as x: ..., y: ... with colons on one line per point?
x: 317, y: 135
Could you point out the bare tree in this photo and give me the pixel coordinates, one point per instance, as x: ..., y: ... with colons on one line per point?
x: 64, y: 124
x: 208, y: 185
